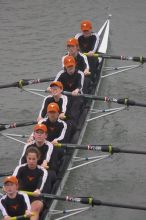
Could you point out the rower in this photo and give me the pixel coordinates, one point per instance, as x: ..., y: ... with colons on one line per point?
x: 88, y: 43
x: 56, y: 96
x: 73, y: 81
x: 32, y: 177
x: 48, y: 158
x: 81, y: 61
x: 14, y: 203
x: 45, y: 147
x: 80, y: 58
x: 56, y: 127
x: 88, y: 40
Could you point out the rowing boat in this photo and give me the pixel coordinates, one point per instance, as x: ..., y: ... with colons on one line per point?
x: 77, y: 138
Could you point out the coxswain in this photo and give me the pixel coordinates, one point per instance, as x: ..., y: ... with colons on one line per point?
x: 14, y: 202
x: 88, y: 40
x: 56, y: 96
x: 32, y: 178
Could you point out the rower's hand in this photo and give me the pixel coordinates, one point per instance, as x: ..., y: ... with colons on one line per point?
x: 36, y: 193
x: 49, y: 89
x: 90, y: 53
x: 30, y: 139
x: 62, y: 116
x: 75, y: 92
x: 39, y: 118
x: 54, y: 142
x: 45, y: 164
x: 7, y: 218
x: 87, y: 72
x: 28, y: 213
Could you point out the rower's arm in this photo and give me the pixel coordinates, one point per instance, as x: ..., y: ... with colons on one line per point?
x: 42, y: 179
x: 94, y: 50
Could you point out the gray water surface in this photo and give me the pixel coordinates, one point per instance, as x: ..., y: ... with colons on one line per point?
x: 32, y: 42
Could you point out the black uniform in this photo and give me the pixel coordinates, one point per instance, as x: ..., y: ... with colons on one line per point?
x: 87, y: 44
x: 45, y: 152
x: 63, y: 102
x: 70, y: 83
x: 81, y: 61
x: 15, y: 206
x: 56, y: 130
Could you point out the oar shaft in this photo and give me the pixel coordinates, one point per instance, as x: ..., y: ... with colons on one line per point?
x: 96, y: 147
x: 112, y: 150
x: 122, y: 101
x: 25, y: 82
x: 14, y: 125
x: 88, y: 201
x: 6, y: 174
x: 117, y: 205
x: 140, y: 59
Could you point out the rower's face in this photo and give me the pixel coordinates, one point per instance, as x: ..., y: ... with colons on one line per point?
x: 87, y: 33
x: 40, y: 136
x: 72, y: 49
x: 32, y: 160
x: 70, y: 70
x: 55, y: 90
x: 53, y: 116
x: 10, y: 188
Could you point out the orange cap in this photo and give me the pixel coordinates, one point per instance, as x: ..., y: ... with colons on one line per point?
x: 58, y: 84
x: 53, y: 107
x: 40, y: 127
x: 11, y: 179
x: 86, y: 25
x: 72, y: 42
x: 69, y: 61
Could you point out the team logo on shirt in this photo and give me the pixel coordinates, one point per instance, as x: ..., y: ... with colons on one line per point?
x: 52, y: 128
x: 15, y: 207
x: 30, y: 178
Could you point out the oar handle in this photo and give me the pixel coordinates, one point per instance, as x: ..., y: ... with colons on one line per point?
x: 18, y: 217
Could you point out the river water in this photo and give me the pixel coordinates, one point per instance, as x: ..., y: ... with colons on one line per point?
x: 32, y: 41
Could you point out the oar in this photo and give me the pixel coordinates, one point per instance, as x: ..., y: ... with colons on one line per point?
x: 15, y: 124
x: 122, y: 101
x: 140, y: 59
x: 25, y: 82
x: 6, y: 174
x: 100, y: 147
x: 88, y: 200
